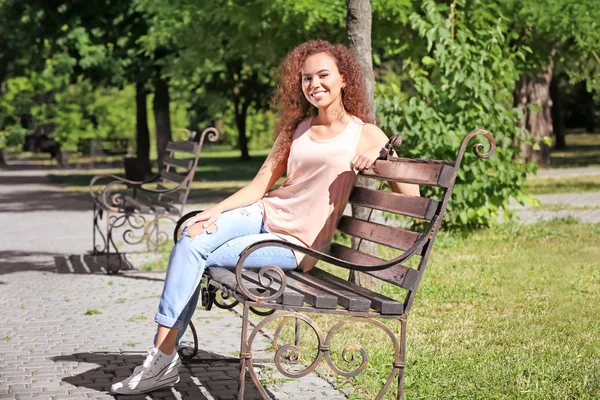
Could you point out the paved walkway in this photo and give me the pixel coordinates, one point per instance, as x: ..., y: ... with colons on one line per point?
x: 584, y: 207
x: 68, y: 331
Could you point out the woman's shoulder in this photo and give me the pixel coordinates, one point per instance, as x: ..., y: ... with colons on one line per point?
x: 371, y: 136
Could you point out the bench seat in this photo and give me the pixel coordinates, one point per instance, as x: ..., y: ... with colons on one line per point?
x: 312, y: 291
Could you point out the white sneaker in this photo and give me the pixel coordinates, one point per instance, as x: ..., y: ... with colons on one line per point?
x: 158, y: 371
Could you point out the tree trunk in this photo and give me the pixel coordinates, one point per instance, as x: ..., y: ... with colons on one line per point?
x: 162, y: 118
x: 358, y: 22
x: 536, y: 91
x: 241, y: 111
x: 142, y: 133
x: 590, y: 124
x: 558, y: 113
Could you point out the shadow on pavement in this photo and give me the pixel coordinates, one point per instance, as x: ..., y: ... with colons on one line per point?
x: 207, y: 377
x: 78, y: 264
x: 40, y: 195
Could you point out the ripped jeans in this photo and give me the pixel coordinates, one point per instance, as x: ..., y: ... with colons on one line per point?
x: 220, y: 247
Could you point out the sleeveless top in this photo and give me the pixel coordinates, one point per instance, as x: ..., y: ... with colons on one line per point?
x: 307, y: 207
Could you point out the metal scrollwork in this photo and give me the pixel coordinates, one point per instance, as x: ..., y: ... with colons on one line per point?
x: 477, y: 148
x: 288, y: 354
x: 266, y: 280
x: 222, y: 301
x: 349, y: 351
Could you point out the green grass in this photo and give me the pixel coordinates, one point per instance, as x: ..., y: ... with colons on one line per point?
x: 562, y: 184
x: 219, y: 174
x: 583, y: 150
x: 503, y: 313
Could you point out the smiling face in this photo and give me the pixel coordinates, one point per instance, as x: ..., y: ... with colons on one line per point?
x: 322, y: 82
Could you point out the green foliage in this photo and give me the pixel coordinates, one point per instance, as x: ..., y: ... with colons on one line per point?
x: 12, y: 138
x: 461, y: 84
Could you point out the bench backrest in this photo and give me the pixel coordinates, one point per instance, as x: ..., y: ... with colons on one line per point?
x: 441, y: 174
x: 180, y: 166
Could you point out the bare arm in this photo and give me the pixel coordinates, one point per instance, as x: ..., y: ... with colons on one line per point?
x: 271, y: 170
x: 372, y: 140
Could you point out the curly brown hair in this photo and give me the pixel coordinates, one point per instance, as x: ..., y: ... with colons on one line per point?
x: 289, y: 101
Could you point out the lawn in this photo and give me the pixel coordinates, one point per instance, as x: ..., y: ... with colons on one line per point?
x: 503, y: 313
x: 562, y: 184
x: 583, y: 150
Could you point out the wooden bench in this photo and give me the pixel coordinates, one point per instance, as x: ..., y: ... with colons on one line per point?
x: 295, y: 293
x: 140, y: 206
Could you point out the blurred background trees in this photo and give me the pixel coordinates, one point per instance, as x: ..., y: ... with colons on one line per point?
x: 526, y: 70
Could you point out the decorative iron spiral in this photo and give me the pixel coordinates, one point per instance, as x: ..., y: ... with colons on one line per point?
x: 349, y: 350
x: 288, y: 354
x: 265, y: 281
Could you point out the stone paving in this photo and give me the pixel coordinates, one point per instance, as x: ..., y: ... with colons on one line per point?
x: 67, y: 331
x: 584, y: 207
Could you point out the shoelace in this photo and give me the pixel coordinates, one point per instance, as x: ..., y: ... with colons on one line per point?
x: 150, y: 358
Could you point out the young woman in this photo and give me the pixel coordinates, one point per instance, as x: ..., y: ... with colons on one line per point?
x: 323, y: 140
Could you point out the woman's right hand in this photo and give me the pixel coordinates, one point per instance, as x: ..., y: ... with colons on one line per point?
x: 203, y: 220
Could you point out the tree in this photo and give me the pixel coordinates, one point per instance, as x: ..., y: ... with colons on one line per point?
x: 225, y: 51
x: 462, y: 79
x: 358, y: 24
x: 556, y: 37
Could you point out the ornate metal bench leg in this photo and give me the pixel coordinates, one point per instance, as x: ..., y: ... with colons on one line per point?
x: 110, y: 224
x: 402, y: 357
x: 244, y: 353
x: 98, y: 213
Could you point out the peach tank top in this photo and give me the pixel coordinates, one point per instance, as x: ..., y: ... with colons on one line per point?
x: 306, y: 209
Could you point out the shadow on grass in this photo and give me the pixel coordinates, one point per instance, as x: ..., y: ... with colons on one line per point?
x: 583, y: 149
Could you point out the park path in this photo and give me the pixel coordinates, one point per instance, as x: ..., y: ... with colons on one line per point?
x: 50, y: 348
x: 584, y: 207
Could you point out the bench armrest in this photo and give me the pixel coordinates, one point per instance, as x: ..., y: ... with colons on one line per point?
x: 416, y: 248
x: 108, y: 197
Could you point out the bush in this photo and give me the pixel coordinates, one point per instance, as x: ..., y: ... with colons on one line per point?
x: 462, y: 83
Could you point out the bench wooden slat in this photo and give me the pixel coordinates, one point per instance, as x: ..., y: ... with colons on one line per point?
x: 226, y: 277
x: 142, y: 206
x: 172, y: 176
x: 312, y: 296
x: 378, y: 233
x: 412, y: 171
x: 398, y: 274
x: 176, y: 196
x: 172, y: 209
x: 179, y: 163
x: 346, y: 298
x: 412, y: 206
x: 289, y: 298
x: 353, y: 256
x: 379, y: 302
x: 184, y: 146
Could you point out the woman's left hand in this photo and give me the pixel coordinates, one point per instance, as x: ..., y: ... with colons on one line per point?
x: 365, y: 159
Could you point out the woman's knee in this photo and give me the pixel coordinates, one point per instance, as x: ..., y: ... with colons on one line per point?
x: 184, y: 247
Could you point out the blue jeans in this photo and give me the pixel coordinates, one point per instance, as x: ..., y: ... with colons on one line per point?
x: 221, y: 247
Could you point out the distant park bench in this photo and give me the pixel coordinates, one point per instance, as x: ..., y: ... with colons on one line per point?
x: 140, y: 206
x: 101, y: 147
x: 295, y: 293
